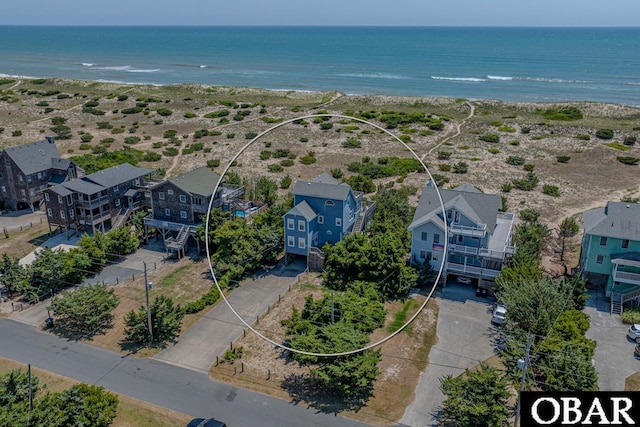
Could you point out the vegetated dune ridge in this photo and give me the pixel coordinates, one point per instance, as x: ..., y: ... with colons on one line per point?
x: 589, y: 178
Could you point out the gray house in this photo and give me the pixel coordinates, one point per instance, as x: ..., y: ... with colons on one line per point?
x: 181, y: 203
x: 479, y: 235
x: 26, y: 170
x: 98, y: 201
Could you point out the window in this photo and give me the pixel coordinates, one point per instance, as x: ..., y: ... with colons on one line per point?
x: 338, y: 222
x: 291, y: 241
x: 183, y: 214
x: 423, y: 254
x: 29, y: 179
x: 603, y: 241
x: 301, y: 225
x: 460, y: 239
x: 436, y: 238
x: 115, y: 188
x: 39, y: 175
x: 599, y: 259
x: 71, y: 214
x: 161, y: 195
x: 302, y: 243
x: 1, y: 175
x: 167, y: 212
x: 320, y: 219
x: 117, y: 202
x: 625, y: 243
x: 435, y: 257
x: 423, y: 236
x: 4, y: 189
x: 457, y: 217
x: 62, y: 214
x: 46, y: 195
x: 183, y: 198
x: 329, y: 203
x: 170, y: 192
x: 20, y: 178
x: 290, y: 224
x: 49, y: 213
x: 69, y: 200
x: 59, y: 199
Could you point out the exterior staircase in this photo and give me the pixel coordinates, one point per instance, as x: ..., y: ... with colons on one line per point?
x: 619, y: 298
x: 121, y: 218
x: 616, y: 303
x: 183, y: 235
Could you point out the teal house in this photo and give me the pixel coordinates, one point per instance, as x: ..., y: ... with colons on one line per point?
x: 610, y: 255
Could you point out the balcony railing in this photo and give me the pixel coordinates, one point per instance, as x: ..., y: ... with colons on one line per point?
x: 471, y: 270
x: 463, y: 250
x: 623, y: 276
x: 465, y: 230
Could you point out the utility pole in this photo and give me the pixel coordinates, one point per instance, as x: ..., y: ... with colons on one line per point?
x: 146, y: 291
x: 30, y: 388
x: 524, y: 374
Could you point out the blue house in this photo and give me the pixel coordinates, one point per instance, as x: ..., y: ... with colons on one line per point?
x: 324, y: 211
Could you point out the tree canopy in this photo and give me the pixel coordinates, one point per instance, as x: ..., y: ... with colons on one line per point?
x: 166, y: 322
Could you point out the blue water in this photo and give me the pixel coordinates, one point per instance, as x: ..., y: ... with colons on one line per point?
x: 513, y: 64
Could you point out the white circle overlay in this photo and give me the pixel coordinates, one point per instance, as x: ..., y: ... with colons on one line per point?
x: 280, y: 345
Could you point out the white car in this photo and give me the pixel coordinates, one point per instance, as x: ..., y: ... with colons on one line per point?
x: 464, y: 280
x: 634, y: 332
x: 499, y: 315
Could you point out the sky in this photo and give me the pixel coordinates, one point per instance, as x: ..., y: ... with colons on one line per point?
x: 323, y: 12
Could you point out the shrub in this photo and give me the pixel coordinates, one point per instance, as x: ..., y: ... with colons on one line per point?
x: 16, y: 133
x: 171, y: 152
x: 86, y: 137
x: 515, y: 161
x: 506, y: 187
x: 99, y: 149
x: 123, y: 97
x: 150, y: 156
x: 131, y: 110
x: 200, y: 133
x: 42, y: 104
x: 281, y: 152
x: 628, y: 160
x: 525, y: 129
x: 326, y: 125
x: 271, y: 120
x: 562, y: 113
x: 304, y: 139
x: 563, y: 159
x: 515, y: 143
x: 285, y: 182
x: 104, y: 125
x: 604, y: 133
x: 551, y: 190
x: 90, y: 103
x: 444, y: 167
x: 528, y: 183
x: 460, y: 167
x: 506, y: 129
x: 630, y: 315
x: 265, y: 155
x: 217, y: 114
x: 213, y: 163
x: 492, y: 137
x: 529, y: 167
x: 405, y: 138
x: 630, y: 140
x: 286, y: 162
x: 85, y: 146
x: 440, y: 179
x: 190, y: 115
x: 169, y: 133
x: 494, y: 150
x: 351, y: 143
x: 238, y: 117
x: 308, y: 159
x: 164, y: 112
x: 529, y: 215
x: 107, y: 141
x: 131, y: 140
x: 583, y: 136
x: 275, y: 168
x: 231, y: 135
x: 250, y: 135
x: 336, y: 173
x: 444, y: 155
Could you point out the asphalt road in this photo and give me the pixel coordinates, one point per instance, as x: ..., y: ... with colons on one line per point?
x: 170, y: 386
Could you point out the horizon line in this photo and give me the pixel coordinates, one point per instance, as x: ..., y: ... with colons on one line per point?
x: 318, y: 26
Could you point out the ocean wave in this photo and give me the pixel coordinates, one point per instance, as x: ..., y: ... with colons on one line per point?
x: 499, y: 78
x: 137, y: 70
x: 88, y: 64
x: 460, y: 79
x: 115, y: 68
x: 373, y: 76
x: 547, y: 80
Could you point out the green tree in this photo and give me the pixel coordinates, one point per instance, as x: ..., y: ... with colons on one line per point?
x: 12, y: 275
x: 120, y: 241
x: 393, y: 212
x: 266, y: 190
x: 568, y: 228
x: 362, y: 183
x: 475, y: 399
x: 95, y: 248
x: 85, y: 311
x: 166, y: 321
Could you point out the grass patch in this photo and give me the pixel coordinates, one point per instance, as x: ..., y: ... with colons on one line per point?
x: 399, y: 318
x: 618, y: 146
x: 632, y: 382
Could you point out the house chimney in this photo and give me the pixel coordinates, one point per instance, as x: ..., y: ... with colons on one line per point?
x: 50, y: 139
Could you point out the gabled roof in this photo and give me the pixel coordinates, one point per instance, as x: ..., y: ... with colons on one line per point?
x: 323, y: 186
x: 60, y: 164
x: 116, y: 175
x: 616, y: 220
x: 33, y: 157
x: 61, y: 190
x: 478, y: 207
x: 79, y: 185
x: 200, y: 181
x: 304, y: 210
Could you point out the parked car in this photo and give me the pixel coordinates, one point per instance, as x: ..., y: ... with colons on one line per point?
x: 482, y: 292
x: 634, y: 333
x: 499, y: 315
x: 208, y: 422
x: 464, y: 280
x: 636, y: 352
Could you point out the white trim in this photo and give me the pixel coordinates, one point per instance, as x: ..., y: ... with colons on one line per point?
x: 183, y: 198
x: 167, y: 212
x: 291, y: 241
x: 302, y: 243
x: 291, y: 224
x: 301, y: 225
x: 183, y: 214
x: 161, y: 195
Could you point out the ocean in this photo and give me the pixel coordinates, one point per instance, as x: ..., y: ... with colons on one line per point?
x: 511, y: 64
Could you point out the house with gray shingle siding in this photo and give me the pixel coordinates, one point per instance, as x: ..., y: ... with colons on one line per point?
x: 26, y: 170
x: 97, y: 201
x: 610, y: 255
x: 478, y: 235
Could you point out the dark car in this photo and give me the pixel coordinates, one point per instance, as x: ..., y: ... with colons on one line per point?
x: 205, y: 422
x: 482, y: 292
x: 636, y: 352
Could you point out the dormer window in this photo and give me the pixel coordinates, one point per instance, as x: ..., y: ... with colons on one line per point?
x: 457, y: 217
x: 115, y: 188
x: 329, y: 203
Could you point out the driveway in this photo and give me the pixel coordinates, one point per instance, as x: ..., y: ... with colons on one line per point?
x: 198, y: 347
x: 465, y: 338
x: 613, y: 358
x: 12, y: 221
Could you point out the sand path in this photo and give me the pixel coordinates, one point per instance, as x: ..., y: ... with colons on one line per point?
x: 457, y: 133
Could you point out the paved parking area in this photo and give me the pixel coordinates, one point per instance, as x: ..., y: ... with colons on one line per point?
x: 465, y: 338
x: 613, y: 358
